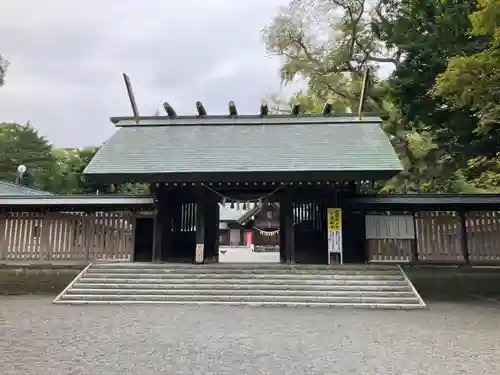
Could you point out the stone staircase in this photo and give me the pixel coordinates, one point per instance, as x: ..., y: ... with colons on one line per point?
x: 364, y: 286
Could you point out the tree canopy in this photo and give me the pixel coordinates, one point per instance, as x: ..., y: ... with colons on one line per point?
x: 57, y: 170
x: 435, y: 80
x: 445, y: 135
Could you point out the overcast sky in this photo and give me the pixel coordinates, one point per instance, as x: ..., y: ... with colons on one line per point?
x: 67, y: 57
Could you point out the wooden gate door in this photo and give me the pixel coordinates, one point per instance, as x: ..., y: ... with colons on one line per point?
x: 310, y: 233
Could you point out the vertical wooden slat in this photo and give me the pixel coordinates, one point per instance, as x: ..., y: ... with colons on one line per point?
x: 9, y: 233
x: 45, y: 248
x: 3, y: 236
x: 16, y: 251
x: 463, y: 236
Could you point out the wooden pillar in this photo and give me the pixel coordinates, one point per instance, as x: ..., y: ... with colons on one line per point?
x: 465, y: 243
x: 166, y: 226
x: 414, y: 241
x: 157, y: 235
x: 287, y: 243
x: 162, y: 234
x: 211, y: 222
x: 200, y: 220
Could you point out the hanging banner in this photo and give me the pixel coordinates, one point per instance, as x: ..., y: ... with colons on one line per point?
x: 335, y: 232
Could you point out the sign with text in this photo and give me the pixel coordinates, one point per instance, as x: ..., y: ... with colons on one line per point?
x: 335, y: 232
x: 199, y: 253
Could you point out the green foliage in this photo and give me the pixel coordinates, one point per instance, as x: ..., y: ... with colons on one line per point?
x: 3, y: 69
x: 21, y: 144
x: 330, y: 43
x: 57, y: 170
x: 473, y: 80
x: 437, y: 127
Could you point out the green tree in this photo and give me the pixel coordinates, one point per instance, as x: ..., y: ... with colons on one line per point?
x: 71, y: 180
x: 3, y: 69
x: 473, y: 81
x: 21, y: 144
x: 428, y: 33
x: 329, y: 43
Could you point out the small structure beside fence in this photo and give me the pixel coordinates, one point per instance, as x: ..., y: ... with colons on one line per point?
x: 426, y: 228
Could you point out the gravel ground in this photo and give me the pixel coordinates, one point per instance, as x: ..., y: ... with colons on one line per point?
x: 39, y: 338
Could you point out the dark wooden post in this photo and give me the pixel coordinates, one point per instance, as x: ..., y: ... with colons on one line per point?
x: 414, y: 242
x: 168, y: 203
x: 176, y: 207
x: 200, y: 220
x: 211, y: 223
x: 286, y: 226
x: 162, y: 237
x: 157, y: 234
x: 465, y: 243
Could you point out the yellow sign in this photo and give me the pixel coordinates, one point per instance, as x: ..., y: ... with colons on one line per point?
x: 334, y: 219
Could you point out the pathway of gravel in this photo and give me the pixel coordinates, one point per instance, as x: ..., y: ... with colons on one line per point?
x: 38, y: 338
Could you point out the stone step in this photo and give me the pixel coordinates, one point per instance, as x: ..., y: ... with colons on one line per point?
x: 223, y: 281
x: 250, y: 286
x: 265, y: 276
x: 241, y: 266
x: 247, y: 284
x: 248, y: 292
x: 239, y: 298
x: 386, y: 306
x: 249, y: 271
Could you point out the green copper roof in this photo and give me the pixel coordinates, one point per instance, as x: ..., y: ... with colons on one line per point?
x: 11, y: 189
x: 220, y: 144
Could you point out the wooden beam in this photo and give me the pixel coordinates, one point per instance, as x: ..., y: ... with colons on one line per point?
x: 296, y: 108
x: 233, y: 111
x: 364, y: 91
x: 201, y: 109
x: 131, y: 97
x: 169, y: 109
x: 327, y: 109
x: 264, y: 109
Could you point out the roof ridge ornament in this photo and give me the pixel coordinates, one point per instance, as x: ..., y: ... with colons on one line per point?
x: 296, y: 108
x: 233, y: 111
x: 327, y: 109
x: 264, y: 109
x: 201, y: 109
x: 364, y: 91
x: 169, y: 109
x: 131, y: 97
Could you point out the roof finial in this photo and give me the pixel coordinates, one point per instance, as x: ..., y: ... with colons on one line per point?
x: 264, y: 109
x: 327, y: 109
x: 364, y: 91
x: 201, y: 110
x: 232, y: 109
x: 170, y: 111
x: 131, y: 97
x: 296, y: 108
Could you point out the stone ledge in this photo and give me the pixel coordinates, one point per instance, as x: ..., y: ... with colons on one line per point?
x: 454, y: 283
x: 42, y: 264
x: 26, y: 280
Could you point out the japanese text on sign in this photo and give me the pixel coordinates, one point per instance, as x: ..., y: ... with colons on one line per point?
x: 334, y: 219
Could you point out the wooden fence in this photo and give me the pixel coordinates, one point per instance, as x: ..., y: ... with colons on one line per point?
x: 440, y: 237
x: 67, y: 236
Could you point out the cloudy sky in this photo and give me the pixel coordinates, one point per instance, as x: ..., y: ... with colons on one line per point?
x: 67, y: 57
